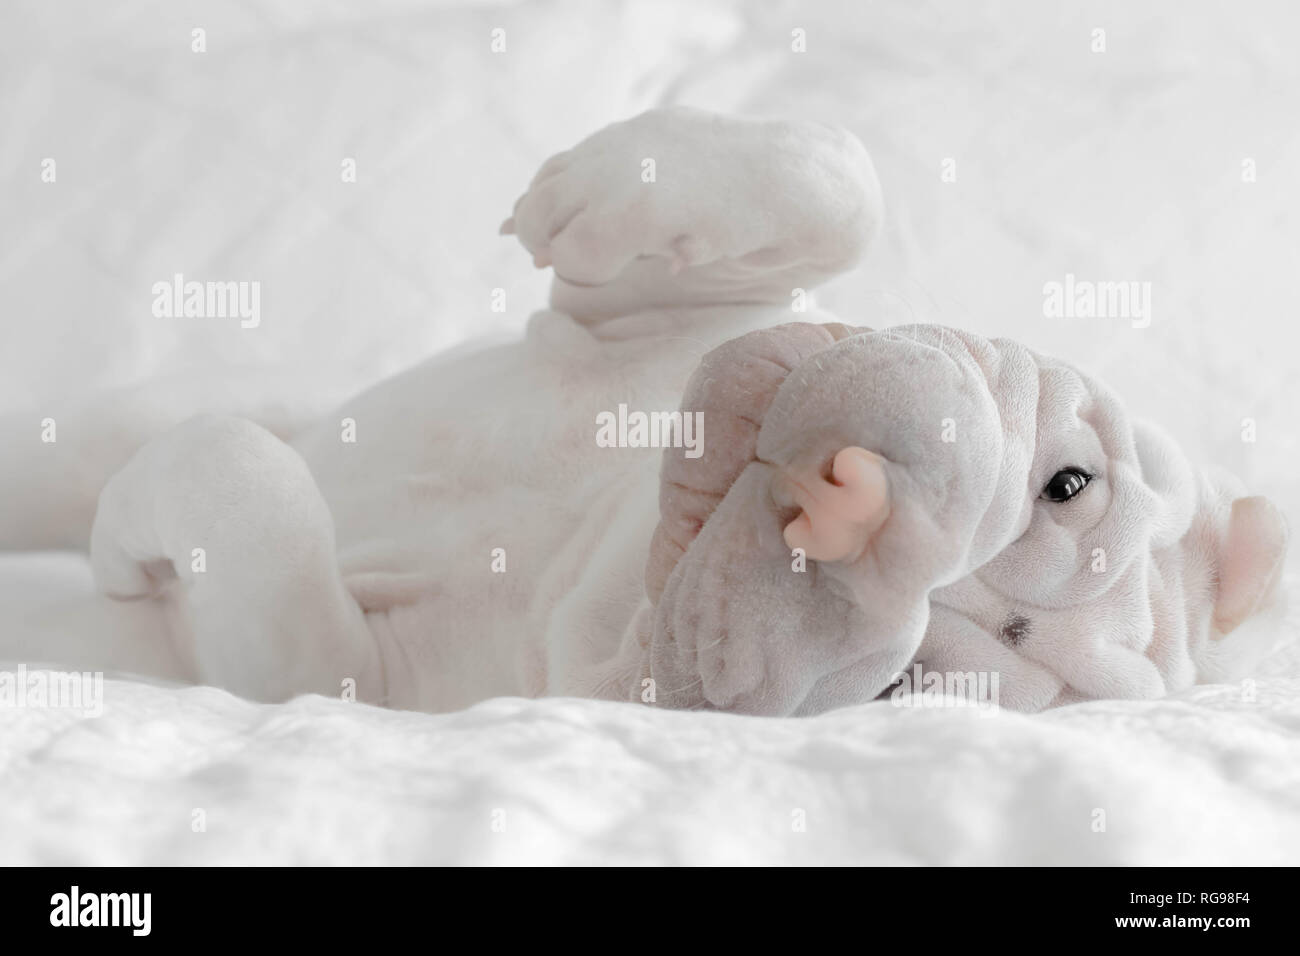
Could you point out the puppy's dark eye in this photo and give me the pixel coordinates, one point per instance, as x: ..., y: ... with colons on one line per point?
x: 1065, y: 484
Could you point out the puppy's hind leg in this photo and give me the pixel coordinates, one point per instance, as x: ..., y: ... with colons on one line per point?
x: 227, y: 518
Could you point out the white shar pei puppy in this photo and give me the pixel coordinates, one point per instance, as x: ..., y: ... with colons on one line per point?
x: 835, y: 504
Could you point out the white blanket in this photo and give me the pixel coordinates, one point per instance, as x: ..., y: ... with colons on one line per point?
x: 1122, y: 165
x: 1209, y: 776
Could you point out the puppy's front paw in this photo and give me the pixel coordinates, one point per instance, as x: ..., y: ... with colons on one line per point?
x: 677, y: 183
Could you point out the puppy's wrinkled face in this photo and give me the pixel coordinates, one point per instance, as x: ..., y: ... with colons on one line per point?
x: 1130, y: 572
x: 870, y: 498
x: 1064, y: 609
x: 1086, y: 492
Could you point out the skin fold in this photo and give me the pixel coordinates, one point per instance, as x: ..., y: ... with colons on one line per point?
x: 864, y: 500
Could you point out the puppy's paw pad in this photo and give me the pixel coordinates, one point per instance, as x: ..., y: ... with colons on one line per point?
x: 122, y: 563
x: 118, y: 575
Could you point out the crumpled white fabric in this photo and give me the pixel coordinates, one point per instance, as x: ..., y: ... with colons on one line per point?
x: 1208, y: 776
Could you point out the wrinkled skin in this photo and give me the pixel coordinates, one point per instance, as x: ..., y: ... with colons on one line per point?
x: 970, y: 567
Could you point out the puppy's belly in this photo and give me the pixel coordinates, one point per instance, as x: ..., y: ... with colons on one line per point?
x: 497, y: 547
x: 535, y: 617
x: 461, y: 585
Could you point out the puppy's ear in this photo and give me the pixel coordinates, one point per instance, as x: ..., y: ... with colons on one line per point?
x: 1250, y: 562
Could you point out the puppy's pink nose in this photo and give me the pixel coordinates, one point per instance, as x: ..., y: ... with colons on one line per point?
x: 840, y: 512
